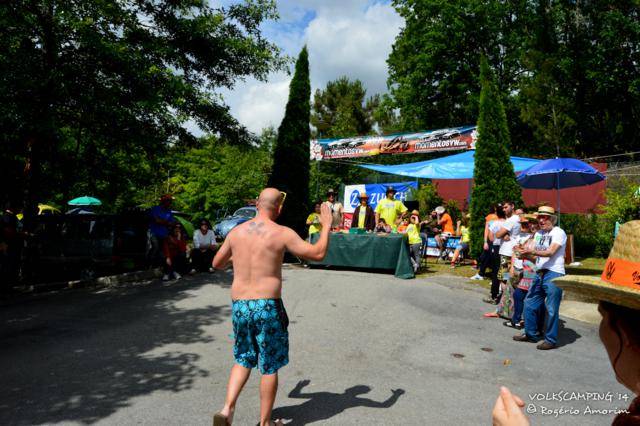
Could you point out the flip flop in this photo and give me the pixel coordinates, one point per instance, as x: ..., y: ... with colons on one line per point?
x: 220, y: 420
x: 490, y: 315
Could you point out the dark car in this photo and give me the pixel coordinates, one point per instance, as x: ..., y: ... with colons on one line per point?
x: 243, y: 214
x: 87, y: 245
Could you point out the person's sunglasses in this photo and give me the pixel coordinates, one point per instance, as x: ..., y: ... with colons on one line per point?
x: 284, y: 197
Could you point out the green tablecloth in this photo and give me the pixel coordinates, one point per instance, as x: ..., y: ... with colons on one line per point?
x: 389, y: 251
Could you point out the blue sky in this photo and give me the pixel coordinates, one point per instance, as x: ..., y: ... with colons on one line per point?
x: 344, y: 37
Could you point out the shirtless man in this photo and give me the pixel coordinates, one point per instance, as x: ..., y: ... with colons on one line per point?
x: 256, y: 249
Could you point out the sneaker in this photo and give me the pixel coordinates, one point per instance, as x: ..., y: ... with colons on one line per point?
x: 193, y: 271
x: 522, y: 338
x: 177, y: 276
x: 509, y: 324
x: 211, y: 270
x: 165, y: 277
x: 476, y: 277
x: 545, y: 346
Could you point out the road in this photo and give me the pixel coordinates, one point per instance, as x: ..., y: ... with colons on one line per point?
x: 158, y: 353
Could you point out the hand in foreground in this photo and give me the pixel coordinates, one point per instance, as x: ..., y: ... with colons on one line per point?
x: 508, y: 410
x: 325, y: 216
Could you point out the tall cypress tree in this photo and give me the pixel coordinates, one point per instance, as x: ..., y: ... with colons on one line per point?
x: 494, y: 178
x: 291, y: 155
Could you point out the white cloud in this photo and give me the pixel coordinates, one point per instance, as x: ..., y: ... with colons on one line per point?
x: 356, y: 45
x: 258, y: 104
x: 351, y: 38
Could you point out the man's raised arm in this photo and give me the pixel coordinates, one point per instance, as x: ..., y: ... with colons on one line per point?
x: 300, y: 248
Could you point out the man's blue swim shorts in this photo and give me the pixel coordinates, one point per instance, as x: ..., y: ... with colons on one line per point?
x: 261, y: 337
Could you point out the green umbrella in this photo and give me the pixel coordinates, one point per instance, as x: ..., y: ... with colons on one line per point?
x: 85, y: 201
x: 188, y: 226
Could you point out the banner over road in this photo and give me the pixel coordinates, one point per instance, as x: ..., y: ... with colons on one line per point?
x: 451, y: 139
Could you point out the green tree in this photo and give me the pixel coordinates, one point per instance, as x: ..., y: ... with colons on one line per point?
x: 218, y: 175
x: 545, y: 107
x: 341, y: 110
x: 93, y: 94
x: 291, y: 154
x: 433, y: 65
x: 494, y: 178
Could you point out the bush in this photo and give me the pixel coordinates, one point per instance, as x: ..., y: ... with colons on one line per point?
x: 427, y: 197
x: 593, y: 233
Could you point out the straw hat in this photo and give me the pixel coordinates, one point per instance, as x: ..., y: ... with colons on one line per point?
x: 439, y: 209
x: 546, y: 211
x: 620, y: 280
x: 525, y: 218
x: 415, y: 213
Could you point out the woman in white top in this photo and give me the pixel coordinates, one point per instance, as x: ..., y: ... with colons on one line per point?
x: 204, y: 245
x: 494, y: 247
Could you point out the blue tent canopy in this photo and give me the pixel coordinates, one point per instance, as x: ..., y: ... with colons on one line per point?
x: 458, y: 166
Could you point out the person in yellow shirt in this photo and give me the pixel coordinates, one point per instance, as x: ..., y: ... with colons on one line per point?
x: 363, y: 216
x: 462, y: 231
x: 390, y: 209
x: 313, y: 220
x: 415, y: 241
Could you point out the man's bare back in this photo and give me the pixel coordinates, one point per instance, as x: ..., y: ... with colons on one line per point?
x: 256, y: 249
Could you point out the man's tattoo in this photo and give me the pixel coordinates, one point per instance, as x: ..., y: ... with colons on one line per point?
x: 256, y: 228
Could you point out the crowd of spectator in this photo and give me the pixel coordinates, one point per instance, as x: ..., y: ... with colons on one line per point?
x: 168, y: 243
x: 525, y: 253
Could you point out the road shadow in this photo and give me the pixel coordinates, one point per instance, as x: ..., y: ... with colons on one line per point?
x: 325, y: 405
x: 82, y: 356
x: 566, y: 335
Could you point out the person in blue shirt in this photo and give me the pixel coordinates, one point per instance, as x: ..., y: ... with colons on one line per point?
x: 160, y: 221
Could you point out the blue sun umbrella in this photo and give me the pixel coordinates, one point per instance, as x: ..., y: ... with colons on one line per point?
x: 559, y: 173
x: 85, y: 201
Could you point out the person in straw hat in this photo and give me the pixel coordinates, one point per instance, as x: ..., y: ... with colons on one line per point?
x: 390, y: 209
x: 618, y: 290
x: 337, y: 211
x: 363, y: 216
x: 549, y: 246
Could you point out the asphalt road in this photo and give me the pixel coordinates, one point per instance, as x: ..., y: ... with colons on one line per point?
x: 365, y: 349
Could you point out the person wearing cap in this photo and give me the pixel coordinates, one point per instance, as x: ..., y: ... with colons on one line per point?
x: 618, y: 292
x: 337, y: 211
x: 446, y: 224
x: 549, y: 246
x: 161, y: 219
x: 390, y: 209
x: 364, y: 216
x: 204, y: 245
x: 415, y: 241
x: 462, y: 231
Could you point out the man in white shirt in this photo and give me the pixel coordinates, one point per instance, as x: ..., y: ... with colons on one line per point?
x: 204, y: 245
x: 508, y: 233
x: 550, y: 243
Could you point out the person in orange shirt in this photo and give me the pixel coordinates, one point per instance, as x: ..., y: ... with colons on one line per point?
x: 446, y: 224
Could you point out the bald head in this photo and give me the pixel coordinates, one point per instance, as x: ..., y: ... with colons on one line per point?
x: 269, y: 200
